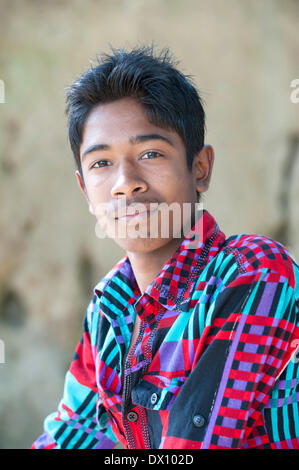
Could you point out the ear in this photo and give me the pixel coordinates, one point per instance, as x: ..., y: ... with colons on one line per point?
x: 81, y: 185
x: 202, y: 168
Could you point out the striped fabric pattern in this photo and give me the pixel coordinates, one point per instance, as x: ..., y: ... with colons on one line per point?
x: 215, y: 362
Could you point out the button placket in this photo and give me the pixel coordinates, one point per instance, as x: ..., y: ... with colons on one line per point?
x: 132, y: 416
x: 154, y: 398
x: 198, y: 421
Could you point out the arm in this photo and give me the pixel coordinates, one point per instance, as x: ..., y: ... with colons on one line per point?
x: 80, y: 421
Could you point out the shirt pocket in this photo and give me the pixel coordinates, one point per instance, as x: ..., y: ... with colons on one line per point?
x: 154, y: 394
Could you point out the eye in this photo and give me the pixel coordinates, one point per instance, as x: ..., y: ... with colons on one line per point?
x: 150, y: 155
x: 100, y: 164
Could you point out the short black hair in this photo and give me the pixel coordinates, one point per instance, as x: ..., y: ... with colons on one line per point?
x: 169, y: 97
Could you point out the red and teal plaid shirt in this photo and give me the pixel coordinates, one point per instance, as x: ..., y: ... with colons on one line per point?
x: 214, y: 364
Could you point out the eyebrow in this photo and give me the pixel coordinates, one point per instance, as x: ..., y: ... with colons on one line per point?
x: 133, y: 140
x: 144, y: 138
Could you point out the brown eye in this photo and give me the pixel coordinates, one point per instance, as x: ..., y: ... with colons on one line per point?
x: 151, y: 155
x: 99, y: 164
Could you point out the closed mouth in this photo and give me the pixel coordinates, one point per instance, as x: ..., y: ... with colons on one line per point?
x: 130, y: 212
x: 130, y: 215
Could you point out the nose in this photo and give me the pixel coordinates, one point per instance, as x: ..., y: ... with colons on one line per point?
x: 128, y: 182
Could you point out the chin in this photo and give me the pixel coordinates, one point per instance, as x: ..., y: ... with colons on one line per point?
x: 141, y: 245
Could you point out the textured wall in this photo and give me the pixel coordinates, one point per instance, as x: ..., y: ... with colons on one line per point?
x: 243, y: 56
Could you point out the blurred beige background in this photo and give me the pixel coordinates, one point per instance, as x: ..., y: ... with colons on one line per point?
x: 243, y: 55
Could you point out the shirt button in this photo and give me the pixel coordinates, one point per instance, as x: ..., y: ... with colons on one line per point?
x: 154, y: 398
x: 132, y: 416
x: 103, y: 421
x: 198, y: 421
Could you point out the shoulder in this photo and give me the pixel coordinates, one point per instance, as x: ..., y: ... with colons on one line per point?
x: 256, y: 272
x: 107, y: 278
x: 256, y: 252
x: 93, y: 308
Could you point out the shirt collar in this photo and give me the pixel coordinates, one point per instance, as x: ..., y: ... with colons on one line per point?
x: 172, y: 286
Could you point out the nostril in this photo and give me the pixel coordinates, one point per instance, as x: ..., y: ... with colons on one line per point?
x: 127, y: 184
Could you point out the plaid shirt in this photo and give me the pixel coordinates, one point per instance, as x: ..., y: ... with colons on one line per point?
x: 214, y: 364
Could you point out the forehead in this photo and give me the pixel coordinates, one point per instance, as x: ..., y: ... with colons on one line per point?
x: 117, y: 122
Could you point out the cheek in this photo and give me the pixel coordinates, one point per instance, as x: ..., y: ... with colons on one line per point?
x: 97, y: 191
x: 178, y: 185
x: 97, y: 188
x: 94, y: 181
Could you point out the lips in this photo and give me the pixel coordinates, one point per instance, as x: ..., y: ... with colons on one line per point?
x: 134, y: 210
x: 131, y: 212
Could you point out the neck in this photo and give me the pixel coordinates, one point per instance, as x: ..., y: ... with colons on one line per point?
x: 147, y: 266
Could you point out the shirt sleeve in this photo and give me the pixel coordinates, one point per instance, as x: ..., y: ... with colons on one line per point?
x: 247, y: 341
x: 80, y: 421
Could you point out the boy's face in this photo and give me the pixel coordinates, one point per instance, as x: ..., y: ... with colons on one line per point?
x: 126, y: 161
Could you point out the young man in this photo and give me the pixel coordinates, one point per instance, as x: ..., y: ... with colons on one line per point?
x: 190, y: 340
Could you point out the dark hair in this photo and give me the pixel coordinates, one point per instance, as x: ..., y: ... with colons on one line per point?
x: 169, y: 97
